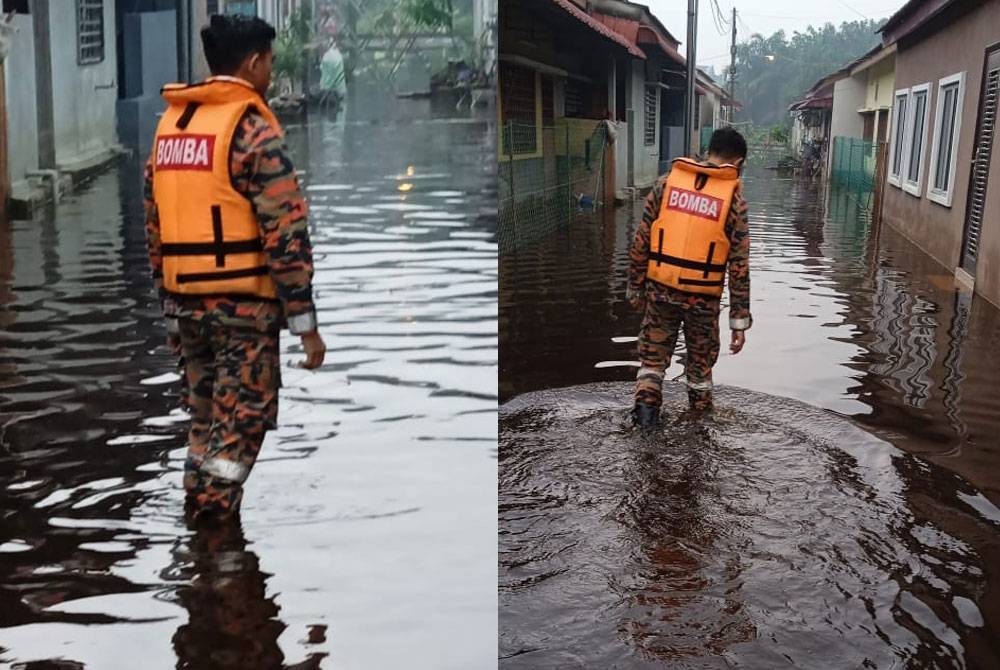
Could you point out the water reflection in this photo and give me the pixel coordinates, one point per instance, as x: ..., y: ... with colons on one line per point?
x: 232, y: 623
x: 770, y: 534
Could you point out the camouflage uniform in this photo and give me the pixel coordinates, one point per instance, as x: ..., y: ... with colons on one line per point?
x: 667, y: 310
x: 230, y: 343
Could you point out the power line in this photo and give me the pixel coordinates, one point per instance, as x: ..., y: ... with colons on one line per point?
x: 844, y: 4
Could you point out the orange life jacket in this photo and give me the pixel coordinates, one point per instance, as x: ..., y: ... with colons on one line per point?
x: 210, y: 237
x: 688, y: 242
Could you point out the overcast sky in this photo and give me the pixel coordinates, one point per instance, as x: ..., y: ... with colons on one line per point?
x: 760, y: 16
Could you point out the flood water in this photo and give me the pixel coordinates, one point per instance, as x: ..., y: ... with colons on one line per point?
x: 368, y: 527
x: 838, y: 510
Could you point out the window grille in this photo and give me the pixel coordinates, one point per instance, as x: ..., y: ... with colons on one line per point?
x: 90, y: 31
x: 649, y: 127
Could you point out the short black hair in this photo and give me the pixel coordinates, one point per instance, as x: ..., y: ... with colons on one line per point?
x: 728, y: 143
x: 228, y: 39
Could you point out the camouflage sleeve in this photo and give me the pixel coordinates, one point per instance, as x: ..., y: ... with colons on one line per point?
x: 738, y: 229
x: 263, y: 171
x: 639, y: 253
x: 153, y: 246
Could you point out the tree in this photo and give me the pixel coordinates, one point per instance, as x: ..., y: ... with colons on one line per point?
x: 772, y: 72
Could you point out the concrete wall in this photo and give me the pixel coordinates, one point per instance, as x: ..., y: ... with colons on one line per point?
x: 848, y: 98
x: 83, y: 96
x: 935, y: 228
x: 646, y: 157
x: 150, y: 56
x: 22, y: 120
x: 881, y: 84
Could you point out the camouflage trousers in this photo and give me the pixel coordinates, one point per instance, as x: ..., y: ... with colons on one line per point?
x: 233, y: 377
x: 658, y: 337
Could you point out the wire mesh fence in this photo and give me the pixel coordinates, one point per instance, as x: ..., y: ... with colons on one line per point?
x: 858, y: 167
x: 853, y: 163
x: 548, y: 176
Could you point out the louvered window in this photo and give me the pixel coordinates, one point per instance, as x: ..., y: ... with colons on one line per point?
x: 90, y: 31
x: 649, y: 128
x: 981, y: 165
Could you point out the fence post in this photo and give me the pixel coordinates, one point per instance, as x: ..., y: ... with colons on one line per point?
x: 569, y: 179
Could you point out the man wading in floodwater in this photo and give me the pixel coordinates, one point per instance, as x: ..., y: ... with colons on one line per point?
x: 693, y: 226
x: 231, y: 257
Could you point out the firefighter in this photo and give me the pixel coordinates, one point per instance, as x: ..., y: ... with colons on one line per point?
x: 693, y: 230
x: 231, y: 257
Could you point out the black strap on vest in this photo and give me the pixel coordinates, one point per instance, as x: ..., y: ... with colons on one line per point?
x: 700, y: 282
x: 189, y: 111
x: 258, y: 271
x: 219, y: 248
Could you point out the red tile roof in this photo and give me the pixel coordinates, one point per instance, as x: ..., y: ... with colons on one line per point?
x: 599, y: 27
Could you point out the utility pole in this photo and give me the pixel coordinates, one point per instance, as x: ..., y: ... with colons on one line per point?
x: 692, y: 72
x: 732, y: 71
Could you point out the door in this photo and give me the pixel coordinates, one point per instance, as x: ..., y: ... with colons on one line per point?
x: 982, y: 151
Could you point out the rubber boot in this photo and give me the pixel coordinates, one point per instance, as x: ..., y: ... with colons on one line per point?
x: 646, y: 415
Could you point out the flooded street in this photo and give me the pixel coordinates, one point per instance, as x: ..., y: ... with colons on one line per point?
x: 368, y: 535
x: 840, y: 504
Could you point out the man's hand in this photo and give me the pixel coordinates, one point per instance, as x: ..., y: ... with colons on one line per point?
x: 739, y: 339
x: 315, y: 350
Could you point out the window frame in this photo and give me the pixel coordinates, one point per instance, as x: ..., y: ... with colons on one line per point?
x: 79, y: 6
x: 539, y: 126
x: 651, y: 89
x: 910, y: 186
x: 945, y: 197
x: 896, y: 179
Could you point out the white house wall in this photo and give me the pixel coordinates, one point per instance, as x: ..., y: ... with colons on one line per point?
x: 647, y: 158
x: 22, y: 119
x: 848, y: 97
x: 83, y: 96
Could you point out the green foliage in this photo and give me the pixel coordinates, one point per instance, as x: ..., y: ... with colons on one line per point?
x: 772, y: 72
x: 293, y: 46
x: 433, y: 14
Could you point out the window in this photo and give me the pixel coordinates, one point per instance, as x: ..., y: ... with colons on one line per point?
x: 576, y: 91
x: 16, y: 6
x: 916, y: 138
x: 944, y: 147
x: 898, y: 137
x: 520, y: 112
x: 649, y: 127
x: 89, y: 31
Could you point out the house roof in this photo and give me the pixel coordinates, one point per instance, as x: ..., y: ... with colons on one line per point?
x: 599, y: 27
x: 638, y: 34
x: 911, y: 16
x: 812, y: 103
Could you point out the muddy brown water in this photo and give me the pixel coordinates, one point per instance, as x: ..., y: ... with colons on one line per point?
x: 368, y: 534
x: 839, y: 510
